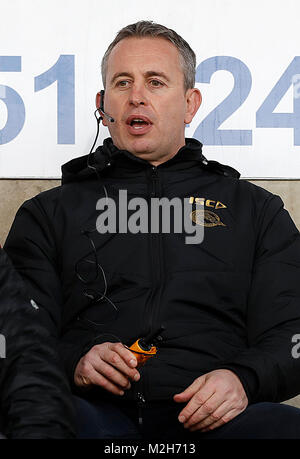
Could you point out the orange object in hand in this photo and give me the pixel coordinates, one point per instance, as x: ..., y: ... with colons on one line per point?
x: 144, y: 348
x: 141, y: 355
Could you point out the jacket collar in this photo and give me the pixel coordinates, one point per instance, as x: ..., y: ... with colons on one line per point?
x: 108, y: 156
x: 192, y: 150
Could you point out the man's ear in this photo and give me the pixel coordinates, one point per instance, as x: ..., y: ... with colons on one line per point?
x: 193, y: 101
x: 99, y: 105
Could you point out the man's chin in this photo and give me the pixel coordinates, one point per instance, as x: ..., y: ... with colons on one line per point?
x: 141, y: 148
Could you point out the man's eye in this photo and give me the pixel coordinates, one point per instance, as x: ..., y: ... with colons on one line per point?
x: 156, y: 83
x: 123, y: 83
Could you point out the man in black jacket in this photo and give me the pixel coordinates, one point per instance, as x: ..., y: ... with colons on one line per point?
x: 229, y: 306
x: 35, y: 400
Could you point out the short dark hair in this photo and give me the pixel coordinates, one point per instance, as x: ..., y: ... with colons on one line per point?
x: 151, y: 29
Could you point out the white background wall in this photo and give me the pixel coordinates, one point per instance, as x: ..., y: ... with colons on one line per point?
x: 263, y: 34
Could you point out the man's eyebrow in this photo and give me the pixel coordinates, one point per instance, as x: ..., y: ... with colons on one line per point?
x: 149, y: 73
x: 120, y: 74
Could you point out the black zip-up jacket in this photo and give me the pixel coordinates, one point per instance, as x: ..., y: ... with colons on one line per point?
x: 231, y: 302
x: 35, y: 400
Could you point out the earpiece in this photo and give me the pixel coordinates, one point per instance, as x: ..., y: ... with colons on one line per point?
x: 100, y: 105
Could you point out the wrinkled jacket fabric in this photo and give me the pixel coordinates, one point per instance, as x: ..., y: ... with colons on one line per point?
x: 231, y: 302
x: 35, y: 400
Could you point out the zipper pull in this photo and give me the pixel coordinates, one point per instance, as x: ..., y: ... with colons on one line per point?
x: 154, y: 173
x: 141, y: 403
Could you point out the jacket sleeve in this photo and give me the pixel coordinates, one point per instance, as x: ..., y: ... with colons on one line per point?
x: 33, y: 246
x: 35, y: 399
x: 268, y: 368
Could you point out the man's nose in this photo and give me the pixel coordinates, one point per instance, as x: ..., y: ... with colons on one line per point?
x: 137, y: 96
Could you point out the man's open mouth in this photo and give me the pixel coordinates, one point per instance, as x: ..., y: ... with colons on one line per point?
x: 138, y: 122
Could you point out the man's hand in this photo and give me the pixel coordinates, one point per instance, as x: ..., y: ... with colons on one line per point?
x: 109, y: 365
x: 213, y: 399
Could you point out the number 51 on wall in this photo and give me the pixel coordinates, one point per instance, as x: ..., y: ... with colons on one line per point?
x: 63, y: 71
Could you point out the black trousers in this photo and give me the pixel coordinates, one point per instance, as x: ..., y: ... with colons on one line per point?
x: 158, y: 420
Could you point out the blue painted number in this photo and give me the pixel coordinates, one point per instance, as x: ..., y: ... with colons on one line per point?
x: 13, y: 101
x: 265, y: 117
x: 62, y: 72
x: 207, y: 131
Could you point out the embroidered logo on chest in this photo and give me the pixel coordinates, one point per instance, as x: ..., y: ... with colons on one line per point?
x: 205, y: 217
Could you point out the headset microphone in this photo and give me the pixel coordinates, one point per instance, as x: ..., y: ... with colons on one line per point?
x: 100, y: 106
x: 98, y: 115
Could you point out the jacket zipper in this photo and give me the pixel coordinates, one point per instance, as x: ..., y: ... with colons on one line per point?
x: 156, y: 268
x: 156, y: 277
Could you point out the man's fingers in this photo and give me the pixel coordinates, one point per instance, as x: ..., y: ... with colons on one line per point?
x: 113, y: 375
x: 94, y: 378
x: 125, y: 353
x: 119, y: 357
x: 199, y: 398
x: 228, y: 416
x: 188, y: 393
x: 109, y: 365
x: 102, y: 381
x: 107, y: 381
x: 220, y: 398
x: 113, y: 355
x: 206, y: 412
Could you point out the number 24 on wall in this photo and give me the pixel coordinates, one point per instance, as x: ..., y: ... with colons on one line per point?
x: 207, y: 131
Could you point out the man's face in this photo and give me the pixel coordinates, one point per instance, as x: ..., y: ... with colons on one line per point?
x: 146, y: 97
